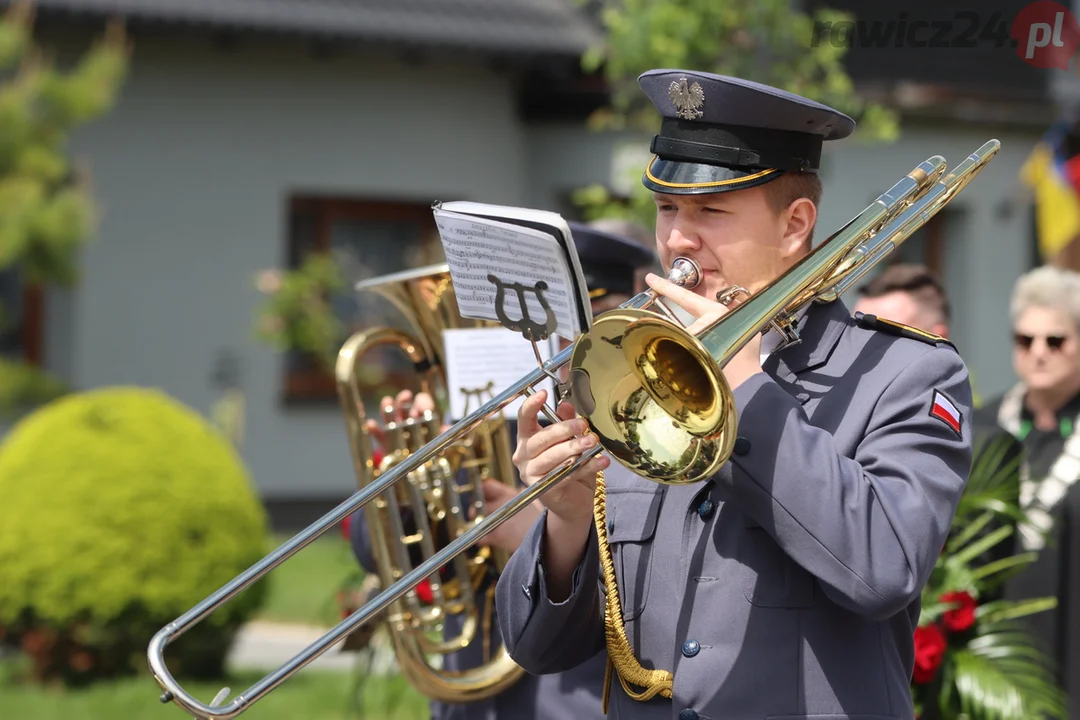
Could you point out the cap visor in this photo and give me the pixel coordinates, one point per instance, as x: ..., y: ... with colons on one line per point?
x: 683, y: 178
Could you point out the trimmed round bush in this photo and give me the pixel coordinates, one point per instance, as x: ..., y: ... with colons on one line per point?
x: 120, y: 509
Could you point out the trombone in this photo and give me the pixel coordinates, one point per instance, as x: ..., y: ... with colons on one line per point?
x: 654, y: 394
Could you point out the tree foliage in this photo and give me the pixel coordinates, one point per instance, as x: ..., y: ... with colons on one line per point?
x: 766, y: 41
x: 47, y: 211
x: 297, y: 314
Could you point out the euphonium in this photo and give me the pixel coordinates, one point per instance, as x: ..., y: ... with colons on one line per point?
x: 410, y: 522
x: 653, y: 392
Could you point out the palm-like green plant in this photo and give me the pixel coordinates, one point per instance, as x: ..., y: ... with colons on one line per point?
x: 974, y: 661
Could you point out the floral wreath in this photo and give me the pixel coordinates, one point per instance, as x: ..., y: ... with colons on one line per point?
x: 973, y: 660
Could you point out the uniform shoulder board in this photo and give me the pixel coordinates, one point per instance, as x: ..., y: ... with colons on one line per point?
x: 873, y: 322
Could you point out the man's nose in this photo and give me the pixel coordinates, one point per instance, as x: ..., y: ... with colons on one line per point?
x: 682, y: 238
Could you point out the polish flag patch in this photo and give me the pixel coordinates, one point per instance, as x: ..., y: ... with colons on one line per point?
x: 943, y: 409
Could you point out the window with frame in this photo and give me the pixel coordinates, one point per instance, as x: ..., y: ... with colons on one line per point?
x: 368, y: 238
x: 926, y: 246
x: 21, y: 318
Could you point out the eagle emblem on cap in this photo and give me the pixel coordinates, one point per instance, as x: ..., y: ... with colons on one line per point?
x: 687, y: 99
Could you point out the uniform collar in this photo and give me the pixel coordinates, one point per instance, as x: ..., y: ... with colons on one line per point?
x: 819, y: 332
x: 1066, y: 417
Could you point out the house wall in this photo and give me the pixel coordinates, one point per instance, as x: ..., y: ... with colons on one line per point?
x: 194, y: 167
x: 193, y: 170
x: 986, y: 249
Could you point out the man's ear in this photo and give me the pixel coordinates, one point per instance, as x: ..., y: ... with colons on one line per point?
x: 800, y: 217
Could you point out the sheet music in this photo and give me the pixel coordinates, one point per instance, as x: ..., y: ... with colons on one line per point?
x: 475, y: 247
x: 476, y: 357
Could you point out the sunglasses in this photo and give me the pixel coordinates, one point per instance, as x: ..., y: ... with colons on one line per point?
x: 1054, y: 342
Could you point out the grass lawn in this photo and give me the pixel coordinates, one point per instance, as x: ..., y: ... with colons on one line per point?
x: 302, y: 589
x: 310, y: 695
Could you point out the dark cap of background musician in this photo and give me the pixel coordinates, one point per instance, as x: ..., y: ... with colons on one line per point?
x: 720, y: 134
x: 609, y: 261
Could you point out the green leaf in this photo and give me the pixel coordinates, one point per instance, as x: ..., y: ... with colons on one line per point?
x: 1002, y: 675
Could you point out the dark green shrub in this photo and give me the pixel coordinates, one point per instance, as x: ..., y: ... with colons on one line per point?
x: 120, y: 509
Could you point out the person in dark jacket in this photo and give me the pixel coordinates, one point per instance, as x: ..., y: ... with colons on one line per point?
x: 1042, y: 410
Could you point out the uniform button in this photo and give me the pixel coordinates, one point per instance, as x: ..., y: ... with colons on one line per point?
x: 690, y: 648
x: 742, y: 446
x: 611, y: 526
x: 688, y: 714
x: 705, y: 509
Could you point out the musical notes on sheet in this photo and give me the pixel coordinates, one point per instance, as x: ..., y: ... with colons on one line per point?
x: 476, y: 357
x: 476, y: 247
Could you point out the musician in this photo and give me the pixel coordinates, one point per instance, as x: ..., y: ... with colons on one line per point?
x: 788, y: 584
x: 609, y: 262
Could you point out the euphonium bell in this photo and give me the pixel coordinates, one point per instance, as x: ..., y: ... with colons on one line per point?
x: 437, y: 502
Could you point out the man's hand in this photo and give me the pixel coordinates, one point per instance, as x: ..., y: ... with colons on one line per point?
x: 402, y: 407
x: 541, y: 450
x: 570, y: 502
x: 747, y: 362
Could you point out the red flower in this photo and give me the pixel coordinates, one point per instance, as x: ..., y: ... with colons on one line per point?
x: 1071, y: 170
x: 930, y: 647
x: 962, y: 617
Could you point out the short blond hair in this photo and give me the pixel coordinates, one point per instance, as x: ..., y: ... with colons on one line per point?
x: 1047, y: 286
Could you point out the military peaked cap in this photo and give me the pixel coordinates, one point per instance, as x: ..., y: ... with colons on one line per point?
x: 720, y: 133
x: 609, y: 261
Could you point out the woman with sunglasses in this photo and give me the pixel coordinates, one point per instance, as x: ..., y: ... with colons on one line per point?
x: 1043, y: 411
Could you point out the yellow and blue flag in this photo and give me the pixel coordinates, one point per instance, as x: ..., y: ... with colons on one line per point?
x: 1052, y: 171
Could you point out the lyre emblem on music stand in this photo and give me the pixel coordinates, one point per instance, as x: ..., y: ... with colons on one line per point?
x: 529, y: 328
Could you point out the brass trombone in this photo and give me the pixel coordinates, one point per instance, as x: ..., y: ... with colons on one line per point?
x: 654, y: 394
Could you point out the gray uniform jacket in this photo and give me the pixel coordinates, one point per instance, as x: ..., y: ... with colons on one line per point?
x: 788, y: 585
x: 572, y: 695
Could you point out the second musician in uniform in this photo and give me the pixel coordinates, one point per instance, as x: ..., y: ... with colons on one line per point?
x: 609, y: 263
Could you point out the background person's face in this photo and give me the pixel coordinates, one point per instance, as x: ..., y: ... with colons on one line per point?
x: 1046, y: 349
x: 902, y: 308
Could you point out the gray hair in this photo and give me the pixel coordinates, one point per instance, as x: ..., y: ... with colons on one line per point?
x: 1049, y: 287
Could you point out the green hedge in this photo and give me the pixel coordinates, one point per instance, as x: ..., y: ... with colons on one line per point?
x: 120, y: 509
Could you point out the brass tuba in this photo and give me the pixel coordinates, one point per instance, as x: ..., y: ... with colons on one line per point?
x: 412, y: 521
x: 653, y: 393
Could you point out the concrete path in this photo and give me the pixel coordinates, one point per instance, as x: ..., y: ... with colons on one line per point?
x: 266, y: 646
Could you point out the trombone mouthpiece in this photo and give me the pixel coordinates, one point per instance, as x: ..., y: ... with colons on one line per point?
x: 685, y: 273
